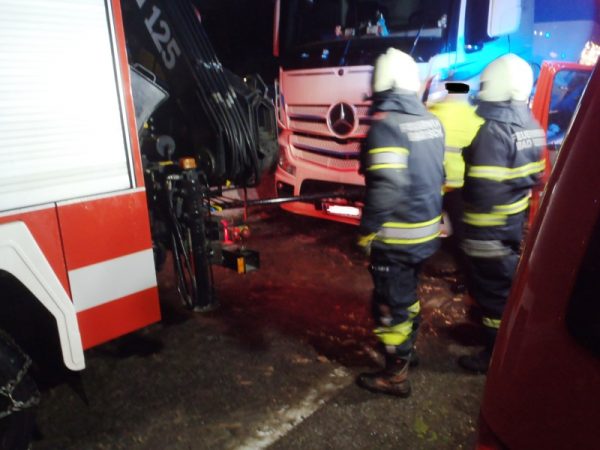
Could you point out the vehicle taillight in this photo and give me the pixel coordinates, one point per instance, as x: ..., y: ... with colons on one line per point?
x: 486, y: 439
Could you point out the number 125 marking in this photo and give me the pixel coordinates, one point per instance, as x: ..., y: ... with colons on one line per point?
x: 164, y: 43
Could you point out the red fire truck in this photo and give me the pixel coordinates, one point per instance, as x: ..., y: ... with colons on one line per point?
x: 74, y: 226
x: 113, y: 142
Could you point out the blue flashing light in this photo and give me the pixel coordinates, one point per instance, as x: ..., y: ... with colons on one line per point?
x: 547, y: 35
x: 325, y: 54
x: 304, y: 55
x: 563, y: 55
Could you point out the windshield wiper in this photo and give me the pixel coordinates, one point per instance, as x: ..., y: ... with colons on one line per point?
x: 346, y: 48
x: 416, y: 40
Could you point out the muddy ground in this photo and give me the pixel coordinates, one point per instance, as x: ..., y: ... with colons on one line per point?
x: 274, y: 366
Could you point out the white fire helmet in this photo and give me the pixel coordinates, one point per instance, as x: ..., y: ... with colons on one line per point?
x: 395, y: 70
x: 506, y: 78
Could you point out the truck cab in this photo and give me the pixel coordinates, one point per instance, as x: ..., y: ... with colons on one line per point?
x: 543, y: 385
x: 327, y: 49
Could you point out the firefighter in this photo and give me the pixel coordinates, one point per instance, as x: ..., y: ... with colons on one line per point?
x: 502, y: 165
x: 402, y: 160
x: 460, y: 124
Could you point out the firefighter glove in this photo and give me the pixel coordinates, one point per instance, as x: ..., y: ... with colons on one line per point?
x: 364, y: 242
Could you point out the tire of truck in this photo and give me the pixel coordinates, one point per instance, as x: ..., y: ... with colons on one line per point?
x: 18, y: 396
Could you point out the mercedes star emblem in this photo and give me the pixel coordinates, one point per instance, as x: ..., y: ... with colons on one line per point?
x: 341, y: 119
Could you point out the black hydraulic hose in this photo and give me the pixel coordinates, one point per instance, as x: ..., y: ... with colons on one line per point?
x: 215, y: 74
x: 223, y: 103
x: 198, y: 65
x: 180, y: 252
x: 201, y: 66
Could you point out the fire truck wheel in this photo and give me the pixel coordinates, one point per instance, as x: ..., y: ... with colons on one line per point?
x: 18, y: 397
x: 16, y: 430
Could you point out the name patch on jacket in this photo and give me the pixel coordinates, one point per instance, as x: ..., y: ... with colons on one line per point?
x: 422, y: 130
x: 529, y: 138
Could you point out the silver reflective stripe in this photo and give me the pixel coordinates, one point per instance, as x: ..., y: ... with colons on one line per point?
x: 484, y: 249
x: 453, y: 150
x: 412, y: 233
x: 454, y: 183
x: 375, y: 159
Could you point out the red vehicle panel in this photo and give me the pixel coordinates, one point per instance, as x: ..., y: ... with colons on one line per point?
x: 548, y: 89
x: 543, y: 385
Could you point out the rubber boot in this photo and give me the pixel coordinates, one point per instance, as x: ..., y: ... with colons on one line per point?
x: 392, y: 380
x: 413, y: 360
x: 478, y: 363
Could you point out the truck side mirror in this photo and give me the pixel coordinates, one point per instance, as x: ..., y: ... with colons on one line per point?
x: 504, y: 17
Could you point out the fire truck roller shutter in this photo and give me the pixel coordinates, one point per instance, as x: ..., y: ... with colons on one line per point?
x: 62, y: 121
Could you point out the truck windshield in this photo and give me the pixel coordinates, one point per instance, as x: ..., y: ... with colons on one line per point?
x: 566, y: 91
x: 322, y: 33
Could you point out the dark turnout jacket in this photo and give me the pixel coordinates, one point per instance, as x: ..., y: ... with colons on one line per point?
x: 502, y: 165
x: 402, y: 160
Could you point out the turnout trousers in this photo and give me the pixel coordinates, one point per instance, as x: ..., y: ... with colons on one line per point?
x: 491, y: 267
x: 396, y: 309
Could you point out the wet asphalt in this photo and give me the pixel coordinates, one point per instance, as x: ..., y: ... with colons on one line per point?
x: 274, y: 366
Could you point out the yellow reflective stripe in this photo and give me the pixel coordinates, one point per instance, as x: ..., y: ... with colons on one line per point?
x: 484, y: 219
x: 500, y: 173
x: 491, y: 323
x: 412, y: 225
x: 414, y: 310
x: 396, y: 335
x: 409, y: 241
x: 399, y: 150
x: 386, y: 166
x: 513, y: 208
x: 498, y: 215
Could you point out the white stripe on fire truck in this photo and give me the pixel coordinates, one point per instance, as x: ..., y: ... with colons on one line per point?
x: 14, y: 212
x: 90, y: 198
x: 29, y: 209
x: 112, y: 279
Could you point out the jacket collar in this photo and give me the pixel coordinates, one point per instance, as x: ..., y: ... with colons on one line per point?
x: 508, y: 112
x: 397, y: 100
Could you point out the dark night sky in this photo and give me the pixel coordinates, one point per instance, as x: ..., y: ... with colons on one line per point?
x: 241, y: 32
x: 551, y: 10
